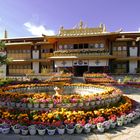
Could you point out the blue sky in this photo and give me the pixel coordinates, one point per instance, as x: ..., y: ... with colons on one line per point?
x: 34, y: 17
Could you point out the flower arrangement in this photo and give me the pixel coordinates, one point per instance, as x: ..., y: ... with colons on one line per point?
x: 98, y: 78
x: 79, y: 118
x: 100, y: 127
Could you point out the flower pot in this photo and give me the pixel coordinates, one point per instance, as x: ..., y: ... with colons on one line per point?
x: 24, y: 105
x: 41, y: 132
x: 0, y: 128
x: 119, y: 123
x: 16, y: 130
x: 125, y: 121
x: 79, y: 130
x: 87, y: 130
x: 36, y: 105
x: 24, y: 132
x: 70, y: 131
x: 42, y: 105
x: 128, y: 120
x: 92, y: 103
x: 80, y: 104
x: 93, y: 126
x: 5, y: 130
x: 113, y: 125
x: 18, y: 105
x: 86, y: 103
x: 32, y: 131
x: 13, y: 104
x: 30, y: 105
x: 8, y: 104
x: 51, y: 131
x: 60, y: 131
x: 98, y: 102
x: 3, y: 103
x: 100, y: 129
x: 106, y: 124
x: 50, y: 105
x: 102, y: 102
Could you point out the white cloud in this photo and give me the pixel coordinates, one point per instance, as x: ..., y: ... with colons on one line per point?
x: 38, y: 30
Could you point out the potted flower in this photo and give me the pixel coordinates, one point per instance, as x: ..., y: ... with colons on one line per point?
x: 50, y: 103
x: 0, y: 128
x: 24, y: 102
x: 93, y: 125
x: 24, y: 130
x: 30, y: 103
x: 73, y: 102
x: 80, y: 103
x: 70, y: 128
x: 51, y: 130
x: 98, y: 100
x: 41, y: 129
x: 5, y: 129
x: 16, y: 128
x: 67, y: 102
x: 87, y: 128
x: 119, y: 121
x: 18, y: 103
x: 106, y: 124
x: 79, y: 128
x: 100, y: 127
x: 92, y: 102
x: 36, y: 103
x: 42, y: 103
x: 112, y: 120
x: 86, y: 102
x: 61, y: 129
x: 32, y: 129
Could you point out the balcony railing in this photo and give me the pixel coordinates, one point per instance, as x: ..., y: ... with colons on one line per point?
x: 19, y: 71
x: 81, y: 53
x: 19, y: 56
x: 120, y: 53
x: 46, y: 55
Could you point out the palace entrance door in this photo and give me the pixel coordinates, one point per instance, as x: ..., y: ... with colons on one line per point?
x: 79, y: 70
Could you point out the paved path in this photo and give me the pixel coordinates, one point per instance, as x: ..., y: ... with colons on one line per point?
x: 78, y: 80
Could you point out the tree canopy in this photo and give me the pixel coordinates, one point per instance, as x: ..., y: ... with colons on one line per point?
x: 3, y: 57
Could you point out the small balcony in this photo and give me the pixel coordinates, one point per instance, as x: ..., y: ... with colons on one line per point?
x: 120, y: 53
x: 19, y: 71
x: 46, y: 55
x: 19, y: 56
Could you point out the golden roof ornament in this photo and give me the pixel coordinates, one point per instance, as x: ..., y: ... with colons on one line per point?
x: 101, y: 25
x: 61, y: 28
x: 81, y: 25
x: 104, y: 28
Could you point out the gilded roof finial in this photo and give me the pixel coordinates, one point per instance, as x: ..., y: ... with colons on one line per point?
x: 5, y: 34
x: 101, y: 25
x: 81, y: 25
x: 104, y: 28
x: 61, y: 28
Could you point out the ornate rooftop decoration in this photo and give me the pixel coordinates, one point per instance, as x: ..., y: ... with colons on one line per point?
x: 82, y: 30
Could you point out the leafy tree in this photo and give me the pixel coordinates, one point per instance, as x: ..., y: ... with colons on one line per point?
x: 3, y: 57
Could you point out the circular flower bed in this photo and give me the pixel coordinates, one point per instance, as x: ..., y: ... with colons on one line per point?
x: 80, y: 108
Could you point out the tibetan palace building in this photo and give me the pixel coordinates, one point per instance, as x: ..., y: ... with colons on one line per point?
x: 77, y: 50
